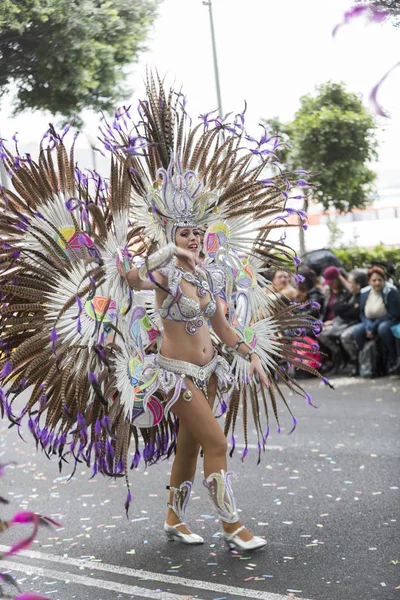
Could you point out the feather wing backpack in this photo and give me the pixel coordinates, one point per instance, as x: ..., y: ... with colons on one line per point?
x: 78, y: 341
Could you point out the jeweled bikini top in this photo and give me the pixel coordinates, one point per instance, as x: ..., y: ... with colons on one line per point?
x: 178, y: 307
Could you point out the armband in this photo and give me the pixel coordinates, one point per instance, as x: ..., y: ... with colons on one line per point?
x: 155, y: 261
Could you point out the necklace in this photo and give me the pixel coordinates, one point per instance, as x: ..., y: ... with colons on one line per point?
x: 193, y: 278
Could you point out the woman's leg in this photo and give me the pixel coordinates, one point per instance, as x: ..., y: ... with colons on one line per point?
x: 185, y: 460
x: 198, y: 419
x: 387, y: 337
x: 329, y: 342
x: 183, y: 469
x: 359, y: 335
x: 348, y: 342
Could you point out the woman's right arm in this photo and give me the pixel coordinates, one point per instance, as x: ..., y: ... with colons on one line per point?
x: 146, y: 276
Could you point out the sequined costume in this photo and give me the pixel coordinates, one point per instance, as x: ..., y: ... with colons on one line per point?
x: 84, y: 343
x: 178, y: 307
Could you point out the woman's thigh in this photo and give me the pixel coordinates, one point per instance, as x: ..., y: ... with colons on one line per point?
x: 359, y: 331
x: 212, y: 390
x: 198, y: 419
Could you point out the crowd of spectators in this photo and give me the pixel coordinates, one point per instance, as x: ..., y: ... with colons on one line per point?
x: 359, y: 314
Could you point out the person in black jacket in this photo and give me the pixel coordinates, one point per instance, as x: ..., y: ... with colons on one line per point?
x: 308, y: 291
x: 347, y: 315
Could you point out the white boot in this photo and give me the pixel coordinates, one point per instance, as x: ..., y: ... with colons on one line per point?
x: 221, y: 494
x: 180, y: 500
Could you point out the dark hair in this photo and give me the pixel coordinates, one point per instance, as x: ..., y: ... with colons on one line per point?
x: 310, y: 279
x: 377, y: 271
x: 271, y: 272
x: 360, y: 277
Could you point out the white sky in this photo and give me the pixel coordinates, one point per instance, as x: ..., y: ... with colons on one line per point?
x: 270, y: 52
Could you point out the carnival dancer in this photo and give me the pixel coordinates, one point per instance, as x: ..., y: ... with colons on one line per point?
x: 134, y: 308
x: 185, y: 311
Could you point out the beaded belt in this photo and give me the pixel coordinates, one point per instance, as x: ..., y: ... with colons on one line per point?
x: 199, y: 375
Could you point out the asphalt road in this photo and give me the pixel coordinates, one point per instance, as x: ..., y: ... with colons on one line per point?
x: 326, y: 498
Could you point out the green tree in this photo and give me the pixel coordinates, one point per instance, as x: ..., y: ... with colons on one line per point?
x: 333, y: 136
x: 67, y: 55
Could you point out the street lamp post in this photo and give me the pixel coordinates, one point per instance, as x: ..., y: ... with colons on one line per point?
x: 92, y: 143
x: 214, y: 48
x: 3, y: 174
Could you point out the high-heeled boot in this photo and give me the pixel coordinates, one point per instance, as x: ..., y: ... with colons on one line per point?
x: 223, y: 500
x: 180, y: 500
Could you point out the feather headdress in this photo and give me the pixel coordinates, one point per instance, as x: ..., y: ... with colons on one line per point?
x: 70, y: 327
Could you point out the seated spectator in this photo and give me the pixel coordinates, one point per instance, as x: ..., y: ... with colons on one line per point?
x: 281, y: 282
x: 347, y: 315
x: 379, y: 311
x: 308, y: 290
x: 337, y: 292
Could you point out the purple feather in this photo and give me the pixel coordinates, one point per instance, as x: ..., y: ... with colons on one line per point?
x: 82, y: 240
x: 97, y: 427
x: 233, y: 445
x: 379, y: 110
x: 136, y: 460
x: 72, y: 203
x: 128, y: 503
x: 66, y: 411
x: 244, y: 453
x: 294, y: 420
x: 85, y: 216
x: 92, y: 377
x: 309, y: 400
x: 373, y: 14
x: 7, y: 369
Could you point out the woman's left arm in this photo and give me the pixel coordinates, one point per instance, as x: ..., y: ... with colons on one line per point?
x: 229, y: 336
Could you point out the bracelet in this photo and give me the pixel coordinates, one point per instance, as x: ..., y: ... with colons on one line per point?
x: 235, y: 348
x: 158, y: 259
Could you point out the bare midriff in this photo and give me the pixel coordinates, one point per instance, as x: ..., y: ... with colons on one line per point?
x: 178, y: 343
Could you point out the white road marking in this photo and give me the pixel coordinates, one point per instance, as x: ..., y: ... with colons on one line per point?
x: 159, y: 577
x: 122, y: 588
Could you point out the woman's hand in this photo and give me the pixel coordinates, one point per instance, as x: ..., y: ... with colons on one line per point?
x: 186, y: 258
x: 370, y: 335
x: 256, y: 367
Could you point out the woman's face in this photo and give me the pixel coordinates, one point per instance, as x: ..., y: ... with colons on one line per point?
x: 334, y: 285
x: 280, y: 280
x: 376, y: 282
x: 353, y: 286
x: 189, y: 238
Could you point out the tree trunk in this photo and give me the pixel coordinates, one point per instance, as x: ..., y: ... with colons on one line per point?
x: 302, y: 240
